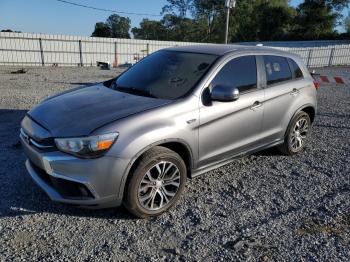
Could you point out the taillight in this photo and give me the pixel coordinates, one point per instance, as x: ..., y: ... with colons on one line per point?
x: 316, y: 84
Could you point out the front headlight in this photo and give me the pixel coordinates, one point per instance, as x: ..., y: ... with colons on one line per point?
x: 86, y: 147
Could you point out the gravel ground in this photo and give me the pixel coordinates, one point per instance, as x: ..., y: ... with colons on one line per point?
x: 265, y: 207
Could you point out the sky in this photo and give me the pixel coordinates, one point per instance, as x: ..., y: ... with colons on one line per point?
x: 54, y: 17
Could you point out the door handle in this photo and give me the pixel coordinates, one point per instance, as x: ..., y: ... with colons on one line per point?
x: 294, y: 92
x: 256, y: 105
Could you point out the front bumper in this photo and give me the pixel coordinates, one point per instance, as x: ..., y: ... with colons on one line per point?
x: 94, y: 183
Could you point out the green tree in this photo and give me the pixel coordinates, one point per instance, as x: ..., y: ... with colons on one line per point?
x: 115, y: 26
x: 101, y: 30
x: 274, y: 20
x: 211, y: 14
x: 10, y: 31
x: 338, y: 5
x: 259, y: 20
x: 250, y: 20
x: 316, y: 19
x: 151, y: 30
x: 178, y: 8
x: 347, y: 25
x: 176, y: 27
x: 244, y: 22
x: 119, y: 26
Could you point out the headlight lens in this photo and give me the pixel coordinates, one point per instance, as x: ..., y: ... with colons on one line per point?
x: 86, y: 147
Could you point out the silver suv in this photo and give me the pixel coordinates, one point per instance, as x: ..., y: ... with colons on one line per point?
x: 178, y: 113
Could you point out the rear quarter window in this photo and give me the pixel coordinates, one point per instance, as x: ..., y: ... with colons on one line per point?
x: 295, y: 69
x: 277, y: 69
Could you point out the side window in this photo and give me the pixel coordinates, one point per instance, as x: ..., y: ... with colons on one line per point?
x: 239, y: 72
x: 295, y: 69
x: 277, y: 69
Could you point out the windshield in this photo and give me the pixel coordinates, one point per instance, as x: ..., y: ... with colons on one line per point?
x: 165, y: 74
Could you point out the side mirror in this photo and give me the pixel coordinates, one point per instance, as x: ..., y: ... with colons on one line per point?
x: 224, y: 94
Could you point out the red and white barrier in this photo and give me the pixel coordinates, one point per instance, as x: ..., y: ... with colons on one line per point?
x: 333, y: 79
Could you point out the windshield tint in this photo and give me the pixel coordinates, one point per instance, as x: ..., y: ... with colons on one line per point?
x: 165, y: 74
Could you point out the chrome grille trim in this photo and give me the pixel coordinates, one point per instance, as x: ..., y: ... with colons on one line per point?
x: 38, y: 145
x: 29, y: 140
x: 23, y: 135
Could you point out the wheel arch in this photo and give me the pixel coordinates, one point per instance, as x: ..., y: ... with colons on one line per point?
x: 307, y: 108
x: 177, y: 145
x: 310, y: 110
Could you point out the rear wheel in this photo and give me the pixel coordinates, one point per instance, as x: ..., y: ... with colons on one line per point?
x: 297, y: 134
x: 156, y: 183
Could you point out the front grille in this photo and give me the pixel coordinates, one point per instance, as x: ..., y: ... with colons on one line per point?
x: 66, y: 188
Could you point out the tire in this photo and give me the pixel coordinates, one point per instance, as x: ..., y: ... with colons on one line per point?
x: 294, y: 140
x: 156, y: 183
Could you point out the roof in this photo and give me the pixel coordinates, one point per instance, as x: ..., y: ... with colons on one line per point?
x: 220, y: 49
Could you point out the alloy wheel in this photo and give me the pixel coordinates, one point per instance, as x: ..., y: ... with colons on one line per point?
x: 159, y: 185
x: 299, y: 134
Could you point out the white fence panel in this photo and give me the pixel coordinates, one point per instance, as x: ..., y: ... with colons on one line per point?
x: 341, y: 56
x: 63, y: 50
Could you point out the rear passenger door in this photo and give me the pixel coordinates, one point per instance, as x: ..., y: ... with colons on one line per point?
x: 281, y: 91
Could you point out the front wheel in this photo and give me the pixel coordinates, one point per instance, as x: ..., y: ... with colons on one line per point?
x: 296, y: 135
x: 156, y: 183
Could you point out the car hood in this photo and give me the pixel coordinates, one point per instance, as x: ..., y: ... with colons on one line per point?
x: 81, y: 111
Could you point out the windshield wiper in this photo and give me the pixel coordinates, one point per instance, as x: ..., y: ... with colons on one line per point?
x: 134, y: 91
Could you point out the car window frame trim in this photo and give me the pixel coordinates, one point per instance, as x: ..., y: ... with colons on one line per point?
x: 278, y: 83
x: 219, y: 64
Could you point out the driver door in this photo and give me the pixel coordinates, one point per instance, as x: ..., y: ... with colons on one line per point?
x: 228, y: 128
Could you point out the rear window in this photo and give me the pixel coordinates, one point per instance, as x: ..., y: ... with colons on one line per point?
x: 295, y: 69
x: 277, y: 69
